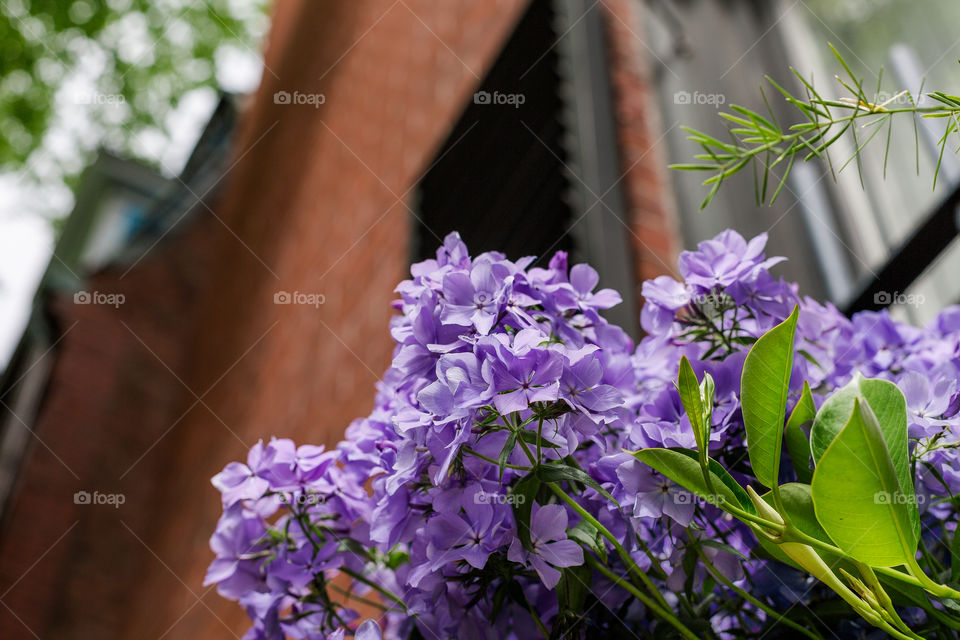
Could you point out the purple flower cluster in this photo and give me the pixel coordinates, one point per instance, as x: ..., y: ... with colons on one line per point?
x: 503, y: 366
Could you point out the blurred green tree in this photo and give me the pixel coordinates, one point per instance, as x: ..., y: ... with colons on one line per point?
x: 122, y: 65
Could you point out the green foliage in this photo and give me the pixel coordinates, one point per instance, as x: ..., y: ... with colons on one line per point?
x: 798, y: 444
x: 693, y: 403
x: 858, y: 498
x: 851, y: 522
x: 771, y: 148
x: 798, y: 508
x: 764, y: 387
x: 142, y: 55
x: 890, y: 408
x: 682, y: 466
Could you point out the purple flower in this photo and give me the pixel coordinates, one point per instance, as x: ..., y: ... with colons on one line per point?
x: 723, y: 260
x: 926, y: 402
x: 655, y: 495
x: 240, y: 481
x: 470, y: 536
x: 580, y: 388
x: 236, y: 570
x: 551, y: 548
x: 368, y: 630
x: 409, y: 488
x: 522, y: 379
x: 664, y: 297
x: 459, y: 387
x: 298, y: 568
x: 584, y: 279
x: 475, y: 299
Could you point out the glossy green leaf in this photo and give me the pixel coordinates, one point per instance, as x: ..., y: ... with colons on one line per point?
x: 683, y: 467
x: 857, y: 496
x: 572, y: 591
x: 707, y: 389
x: 692, y: 401
x: 508, y: 448
x: 561, y: 472
x: 763, y: 397
x: 526, y: 492
x: 890, y: 408
x: 798, y: 507
x: 588, y: 536
x: 798, y: 445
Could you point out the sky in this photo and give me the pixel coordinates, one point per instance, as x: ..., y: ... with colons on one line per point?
x: 27, y: 207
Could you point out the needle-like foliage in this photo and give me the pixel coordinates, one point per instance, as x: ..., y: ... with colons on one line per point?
x: 761, y: 141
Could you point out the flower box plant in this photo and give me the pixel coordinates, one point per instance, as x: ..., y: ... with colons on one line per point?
x: 757, y: 466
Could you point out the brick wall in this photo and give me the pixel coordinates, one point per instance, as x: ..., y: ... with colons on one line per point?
x: 68, y: 570
x: 316, y: 204
x: 654, y: 228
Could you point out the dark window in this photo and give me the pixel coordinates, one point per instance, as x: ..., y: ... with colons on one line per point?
x: 532, y: 165
x: 499, y: 179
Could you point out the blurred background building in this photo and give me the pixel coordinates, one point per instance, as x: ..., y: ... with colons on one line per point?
x: 186, y: 314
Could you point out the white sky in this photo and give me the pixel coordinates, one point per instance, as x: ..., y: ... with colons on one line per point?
x: 26, y: 235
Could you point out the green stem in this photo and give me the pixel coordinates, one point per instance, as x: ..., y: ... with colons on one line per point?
x: 496, y: 462
x: 539, y: 438
x: 366, y: 601
x: 873, y: 583
x: 937, y: 589
x: 537, y: 620
x: 744, y: 515
x: 754, y: 601
x: 370, y: 583
x: 621, y: 551
x: 666, y: 614
x: 811, y: 135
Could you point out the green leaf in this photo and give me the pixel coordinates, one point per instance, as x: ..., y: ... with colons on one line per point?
x: 587, y: 535
x: 707, y: 389
x: 798, y: 505
x: 890, y: 408
x: 572, y: 590
x: 692, y: 402
x: 682, y: 466
x: 798, y: 445
x: 955, y: 556
x: 561, y: 472
x: 526, y: 492
x: 764, y: 386
x: 857, y: 496
x: 508, y: 447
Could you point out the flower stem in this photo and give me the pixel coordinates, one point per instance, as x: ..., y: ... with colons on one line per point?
x: 621, y: 551
x: 642, y: 597
x: 492, y: 461
x: 773, y: 613
x: 370, y: 583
